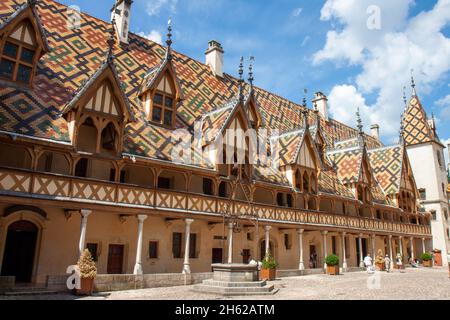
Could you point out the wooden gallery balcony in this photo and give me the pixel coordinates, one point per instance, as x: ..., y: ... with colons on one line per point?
x: 81, y: 191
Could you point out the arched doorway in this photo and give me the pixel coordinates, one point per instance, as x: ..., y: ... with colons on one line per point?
x: 20, y: 248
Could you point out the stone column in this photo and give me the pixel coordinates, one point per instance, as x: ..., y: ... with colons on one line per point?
x: 374, y: 255
x: 324, y: 234
x: 138, y: 266
x: 344, y: 258
x: 423, y: 245
x: 186, y: 264
x: 390, y: 252
x: 84, y: 217
x: 412, y: 247
x: 267, y: 239
x: 301, y: 265
x: 361, y: 258
x: 230, y: 243
x: 400, y: 244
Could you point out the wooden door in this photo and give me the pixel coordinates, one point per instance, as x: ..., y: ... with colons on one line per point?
x: 217, y: 255
x: 245, y: 256
x: 115, y: 259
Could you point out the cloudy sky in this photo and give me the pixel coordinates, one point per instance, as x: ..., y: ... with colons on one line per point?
x: 358, y: 52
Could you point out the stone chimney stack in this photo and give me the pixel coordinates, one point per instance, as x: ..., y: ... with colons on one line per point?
x: 120, y: 14
x: 214, y: 57
x: 375, y: 131
x: 321, y: 102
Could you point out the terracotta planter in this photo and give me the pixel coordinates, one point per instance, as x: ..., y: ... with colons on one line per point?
x: 333, y: 270
x: 87, y: 286
x: 268, y: 274
x: 380, y: 266
x: 428, y: 263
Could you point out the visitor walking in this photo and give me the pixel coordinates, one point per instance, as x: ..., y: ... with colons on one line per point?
x: 368, y: 263
x: 387, y: 263
x: 399, y: 262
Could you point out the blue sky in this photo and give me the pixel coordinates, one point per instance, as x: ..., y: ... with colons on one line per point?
x: 319, y: 45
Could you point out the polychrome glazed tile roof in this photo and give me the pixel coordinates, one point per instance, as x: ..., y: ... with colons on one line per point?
x: 348, y: 163
x: 416, y: 129
x: 76, y: 56
x: 386, y: 164
x: 330, y: 183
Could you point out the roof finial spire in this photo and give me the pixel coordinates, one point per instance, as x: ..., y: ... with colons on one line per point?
x: 111, y: 40
x: 305, y: 92
x: 404, y: 96
x: 169, y: 39
x: 413, y: 83
x: 358, y: 119
x: 305, y: 119
x: 241, y: 80
x: 250, y: 72
x: 402, y: 128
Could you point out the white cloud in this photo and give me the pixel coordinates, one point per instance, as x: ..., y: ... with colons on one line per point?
x: 154, y: 7
x: 153, y: 35
x: 446, y: 142
x: 386, y: 56
x: 444, y: 103
x: 305, y: 41
x: 296, y: 12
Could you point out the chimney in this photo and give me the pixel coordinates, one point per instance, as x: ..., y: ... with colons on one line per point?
x: 214, y: 57
x: 120, y: 13
x: 375, y: 131
x: 321, y: 102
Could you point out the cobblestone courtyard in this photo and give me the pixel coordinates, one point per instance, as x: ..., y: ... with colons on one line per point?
x: 412, y: 284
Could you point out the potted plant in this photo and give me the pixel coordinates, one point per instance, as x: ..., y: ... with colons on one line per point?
x: 88, y: 272
x: 427, y: 259
x: 268, y: 268
x: 332, y: 262
x: 379, y: 261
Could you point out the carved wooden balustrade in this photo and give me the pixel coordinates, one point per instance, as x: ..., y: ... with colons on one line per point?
x: 15, y: 182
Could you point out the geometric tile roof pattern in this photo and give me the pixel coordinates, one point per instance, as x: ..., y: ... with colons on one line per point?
x: 330, y: 183
x: 387, y: 165
x: 348, y: 164
x: 416, y: 129
x: 77, y: 55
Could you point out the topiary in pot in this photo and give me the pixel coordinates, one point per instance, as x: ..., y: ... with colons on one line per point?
x: 427, y: 259
x: 88, y: 272
x: 332, y: 262
x: 268, y: 267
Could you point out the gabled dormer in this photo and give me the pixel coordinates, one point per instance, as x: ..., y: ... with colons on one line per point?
x: 98, y: 113
x: 22, y: 44
x: 161, y: 91
x: 252, y: 110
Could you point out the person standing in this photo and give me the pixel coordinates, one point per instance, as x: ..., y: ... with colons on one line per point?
x: 368, y: 263
x: 387, y: 263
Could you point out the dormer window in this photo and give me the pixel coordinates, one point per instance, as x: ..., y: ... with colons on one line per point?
x: 160, y: 99
x: 18, y: 56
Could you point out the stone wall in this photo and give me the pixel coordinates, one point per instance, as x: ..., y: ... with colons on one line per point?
x: 6, y: 283
x: 106, y: 282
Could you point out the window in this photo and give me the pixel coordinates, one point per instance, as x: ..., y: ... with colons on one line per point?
x: 433, y: 214
x: 18, y: 58
x: 164, y: 183
x: 250, y: 236
x: 333, y: 245
x: 153, y: 250
x: 81, y: 168
x: 193, y: 246
x: 93, y: 250
x: 223, y: 190
x: 445, y: 215
x: 207, y: 186
x: 177, y: 238
x: 378, y: 215
x: 422, y: 194
x: 163, y: 103
x: 289, y: 200
x: 287, y: 241
x: 108, y: 141
x: 280, y: 199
